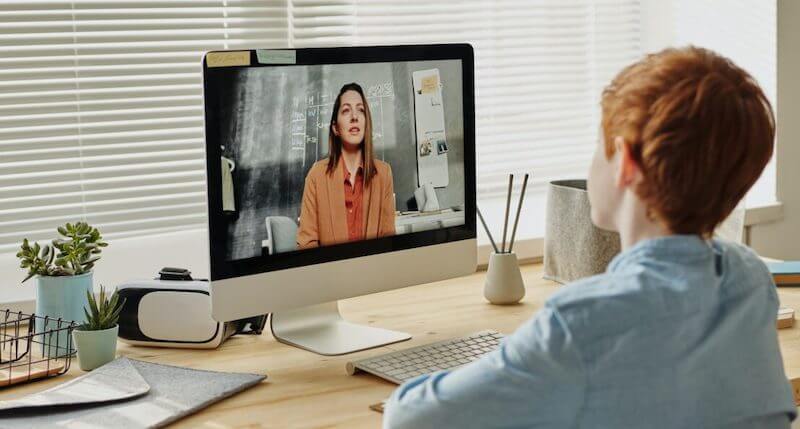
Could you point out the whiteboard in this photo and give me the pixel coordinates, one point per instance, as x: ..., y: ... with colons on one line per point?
x: 431, y: 138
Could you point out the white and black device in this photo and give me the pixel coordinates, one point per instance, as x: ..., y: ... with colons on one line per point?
x: 174, y: 310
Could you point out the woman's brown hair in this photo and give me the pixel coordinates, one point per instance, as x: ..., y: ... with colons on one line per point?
x: 335, y: 144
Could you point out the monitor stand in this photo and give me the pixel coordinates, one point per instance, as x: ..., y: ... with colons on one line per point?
x: 321, y: 329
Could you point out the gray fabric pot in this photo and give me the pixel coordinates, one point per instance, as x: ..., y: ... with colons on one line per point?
x: 573, y: 247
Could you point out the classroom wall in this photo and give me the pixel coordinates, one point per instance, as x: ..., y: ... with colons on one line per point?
x: 781, y: 239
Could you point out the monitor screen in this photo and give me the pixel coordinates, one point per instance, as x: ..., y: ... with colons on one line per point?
x: 314, y: 156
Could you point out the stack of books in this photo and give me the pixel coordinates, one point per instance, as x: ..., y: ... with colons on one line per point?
x: 785, y: 273
x: 785, y: 318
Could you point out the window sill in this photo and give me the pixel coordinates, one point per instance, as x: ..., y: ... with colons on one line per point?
x: 128, y: 258
x: 763, y: 214
x: 532, y: 249
x: 528, y: 251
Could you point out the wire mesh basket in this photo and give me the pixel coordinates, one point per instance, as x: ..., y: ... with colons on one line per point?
x: 33, y: 347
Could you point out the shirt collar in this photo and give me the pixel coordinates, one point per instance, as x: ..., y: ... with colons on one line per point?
x: 678, y: 248
x: 359, y: 170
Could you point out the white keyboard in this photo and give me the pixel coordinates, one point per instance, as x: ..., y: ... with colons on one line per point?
x: 403, y: 365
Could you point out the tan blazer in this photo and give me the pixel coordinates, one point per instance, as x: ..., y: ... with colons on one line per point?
x: 323, y: 216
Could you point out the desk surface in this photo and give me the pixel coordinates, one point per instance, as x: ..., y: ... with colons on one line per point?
x: 304, y: 389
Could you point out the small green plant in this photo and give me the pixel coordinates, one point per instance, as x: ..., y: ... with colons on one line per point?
x: 72, y: 254
x: 103, y: 313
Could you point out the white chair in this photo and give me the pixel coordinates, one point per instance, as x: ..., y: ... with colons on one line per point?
x: 281, y: 235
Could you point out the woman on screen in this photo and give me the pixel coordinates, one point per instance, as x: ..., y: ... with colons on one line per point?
x: 350, y: 195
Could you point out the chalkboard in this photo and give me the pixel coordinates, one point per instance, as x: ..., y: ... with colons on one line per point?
x: 273, y: 123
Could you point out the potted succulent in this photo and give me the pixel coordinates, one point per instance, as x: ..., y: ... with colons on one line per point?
x: 97, y: 338
x: 63, y: 274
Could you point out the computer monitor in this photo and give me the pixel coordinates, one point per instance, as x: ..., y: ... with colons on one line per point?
x: 334, y: 173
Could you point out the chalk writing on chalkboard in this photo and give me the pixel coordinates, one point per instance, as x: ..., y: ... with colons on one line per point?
x: 312, y: 112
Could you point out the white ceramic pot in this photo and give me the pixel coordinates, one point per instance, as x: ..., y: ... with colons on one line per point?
x: 503, y: 279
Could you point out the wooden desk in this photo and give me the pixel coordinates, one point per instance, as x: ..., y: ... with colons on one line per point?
x: 307, y: 390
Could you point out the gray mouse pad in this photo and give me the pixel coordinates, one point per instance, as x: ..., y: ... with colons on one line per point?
x: 173, y: 392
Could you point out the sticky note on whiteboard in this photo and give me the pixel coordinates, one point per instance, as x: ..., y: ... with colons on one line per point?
x: 430, y: 84
x: 276, y: 56
x: 228, y: 59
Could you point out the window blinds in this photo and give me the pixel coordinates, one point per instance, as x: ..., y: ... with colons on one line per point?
x: 101, y: 102
x: 540, y: 67
x: 321, y: 23
x: 101, y: 112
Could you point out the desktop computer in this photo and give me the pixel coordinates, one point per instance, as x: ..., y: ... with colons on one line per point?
x: 334, y: 173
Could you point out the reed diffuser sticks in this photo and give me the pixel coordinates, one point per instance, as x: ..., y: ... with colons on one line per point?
x: 510, y: 248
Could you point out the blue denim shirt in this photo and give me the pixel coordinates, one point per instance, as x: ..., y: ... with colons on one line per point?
x: 677, y: 333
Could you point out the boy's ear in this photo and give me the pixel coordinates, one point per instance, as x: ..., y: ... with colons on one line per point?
x: 628, y: 171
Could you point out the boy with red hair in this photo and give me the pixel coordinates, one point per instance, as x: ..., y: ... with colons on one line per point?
x: 679, y: 332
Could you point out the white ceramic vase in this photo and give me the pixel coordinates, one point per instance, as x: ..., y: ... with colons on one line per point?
x: 503, y: 279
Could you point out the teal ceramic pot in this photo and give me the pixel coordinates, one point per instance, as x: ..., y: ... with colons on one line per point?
x: 96, y: 348
x: 64, y: 298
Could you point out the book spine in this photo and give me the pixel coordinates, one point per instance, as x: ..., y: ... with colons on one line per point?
x: 786, y: 279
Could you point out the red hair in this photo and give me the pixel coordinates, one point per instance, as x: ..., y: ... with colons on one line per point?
x: 699, y: 127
